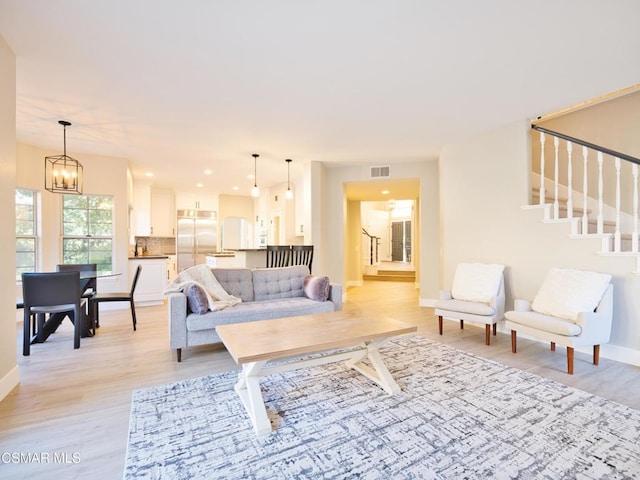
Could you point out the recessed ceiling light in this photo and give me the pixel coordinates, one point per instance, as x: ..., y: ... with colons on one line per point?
x: 250, y: 176
x: 148, y: 174
x: 385, y: 192
x: 199, y: 185
x: 235, y: 187
x: 208, y: 172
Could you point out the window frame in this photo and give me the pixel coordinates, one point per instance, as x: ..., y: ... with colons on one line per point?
x: 90, y: 235
x: 33, y: 236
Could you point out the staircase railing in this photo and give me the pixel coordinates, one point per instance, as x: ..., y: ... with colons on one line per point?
x: 565, y: 156
x: 372, y: 240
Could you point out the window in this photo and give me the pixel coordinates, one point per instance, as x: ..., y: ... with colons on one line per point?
x: 87, y: 230
x: 26, y: 232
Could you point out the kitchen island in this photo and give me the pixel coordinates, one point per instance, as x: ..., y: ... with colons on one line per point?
x: 243, y: 258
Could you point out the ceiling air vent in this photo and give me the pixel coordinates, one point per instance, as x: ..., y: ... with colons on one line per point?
x: 377, y: 172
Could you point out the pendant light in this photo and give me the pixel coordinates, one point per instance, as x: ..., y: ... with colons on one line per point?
x: 63, y: 174
x: 255, y: 191
x: 289, y: 194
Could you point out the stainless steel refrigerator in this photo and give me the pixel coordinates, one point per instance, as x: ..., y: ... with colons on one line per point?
x: 197, y: 237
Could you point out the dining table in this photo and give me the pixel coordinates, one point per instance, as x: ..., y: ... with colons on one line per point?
x: 88, y: 279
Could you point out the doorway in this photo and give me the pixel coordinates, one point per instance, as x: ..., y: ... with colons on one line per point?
x: 401, y: 241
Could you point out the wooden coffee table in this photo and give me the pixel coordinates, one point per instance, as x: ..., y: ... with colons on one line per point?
x: 254, y: 344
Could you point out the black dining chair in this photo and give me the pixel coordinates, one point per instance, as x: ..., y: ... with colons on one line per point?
x: 88, y: 286
x: 302, y: 255
x: 91, y: 285
x: 50, y: 293
x: 278, y: 256
x: 99, y: 297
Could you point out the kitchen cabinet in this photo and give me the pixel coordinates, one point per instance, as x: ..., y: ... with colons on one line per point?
x: 172, y: 267
x: 152, y: 281
x: 196, y: 201
x: 154, y: 211
x: 163, y: 213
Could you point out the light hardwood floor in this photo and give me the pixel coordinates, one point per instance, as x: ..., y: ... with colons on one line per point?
x: 76, y: 402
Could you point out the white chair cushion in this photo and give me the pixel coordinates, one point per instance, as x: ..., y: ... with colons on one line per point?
x: 477, y: 282
x: 544, y: 323
x: 567, y: 292
x: 465, y: 307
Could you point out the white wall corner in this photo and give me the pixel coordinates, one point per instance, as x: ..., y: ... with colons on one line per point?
x: 9, y: 381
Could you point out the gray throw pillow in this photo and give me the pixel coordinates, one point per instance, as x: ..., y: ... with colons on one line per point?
x: 196, y: 299
x: 316, y: 288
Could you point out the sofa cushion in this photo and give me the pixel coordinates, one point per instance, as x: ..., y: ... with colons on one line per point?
x: 197, y: 301
x: 463, y: 306
x: 260, y: 310
x: 477, y: 282
x: 236, y: 281
x: 316, y: 288
x: 274, y: 283
x: 566, y: 292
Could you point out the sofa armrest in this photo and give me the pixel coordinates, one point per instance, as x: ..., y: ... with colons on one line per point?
x: 177, y: 319
x: 335, y: 295
x: 445, y: 295
x: 520, y: 305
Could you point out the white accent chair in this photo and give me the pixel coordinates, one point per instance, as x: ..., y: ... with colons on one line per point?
x: 573, y: 308
x: 477, y: 296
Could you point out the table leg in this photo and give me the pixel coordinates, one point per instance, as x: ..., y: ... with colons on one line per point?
x: 379, y: 373
x: 248, y: 389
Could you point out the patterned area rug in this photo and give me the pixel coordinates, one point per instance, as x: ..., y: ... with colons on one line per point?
x: 458, y: 416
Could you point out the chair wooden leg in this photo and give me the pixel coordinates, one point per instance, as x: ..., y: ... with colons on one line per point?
x: 179, y: 354
x: 461, y: 324
x: 570, y: 360
x: 513, y: 340
x: 596, y: 354
x: 487, y: 333
x: 553, y: 346
x: 495, y: 329
x: 440, y: 323
x: 133, y: 315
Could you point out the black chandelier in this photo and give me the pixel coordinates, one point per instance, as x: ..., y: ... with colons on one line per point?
x: 289, y: 194
x: 63, y: 174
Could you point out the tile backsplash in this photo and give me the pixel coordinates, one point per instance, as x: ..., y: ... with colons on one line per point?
x: 157, y: 245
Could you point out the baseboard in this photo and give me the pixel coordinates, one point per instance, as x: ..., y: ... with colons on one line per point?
x: 9, y: 381
x: 355, y: 283
x: 427, y: 302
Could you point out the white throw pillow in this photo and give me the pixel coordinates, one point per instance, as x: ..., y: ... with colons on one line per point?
x: 477, y: 282
x: 567, y: 292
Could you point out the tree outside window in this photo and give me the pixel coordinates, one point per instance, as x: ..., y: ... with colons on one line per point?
x: 87, y: 229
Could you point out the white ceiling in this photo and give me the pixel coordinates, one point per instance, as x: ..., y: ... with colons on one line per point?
x: 180, y: 86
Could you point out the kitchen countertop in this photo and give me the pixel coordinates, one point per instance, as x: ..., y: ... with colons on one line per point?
x: 148, y: 257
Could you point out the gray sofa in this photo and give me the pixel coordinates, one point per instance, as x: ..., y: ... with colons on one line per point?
x: 266, y: 293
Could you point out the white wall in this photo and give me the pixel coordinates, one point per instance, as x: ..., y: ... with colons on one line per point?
x: 483, y: 183
x: 9, y: 374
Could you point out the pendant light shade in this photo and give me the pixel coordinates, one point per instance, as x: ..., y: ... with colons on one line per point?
x: 289, y: 194
x: 63, y: 174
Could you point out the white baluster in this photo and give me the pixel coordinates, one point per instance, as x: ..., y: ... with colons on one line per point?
x: 543, y: 193
x: 556, y: 204
x: 616, y: 237
x: 585, y: 199
x: 569, y: 181
x: 634, y: 235
x: 600, y: 198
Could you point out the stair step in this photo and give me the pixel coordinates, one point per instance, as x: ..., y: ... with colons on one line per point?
x: 392, y: 276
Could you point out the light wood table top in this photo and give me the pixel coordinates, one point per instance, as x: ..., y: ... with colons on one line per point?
x: 293, y: 336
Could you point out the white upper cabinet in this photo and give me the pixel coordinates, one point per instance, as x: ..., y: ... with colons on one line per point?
x: 154, y: 211
x: 163, y: 213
